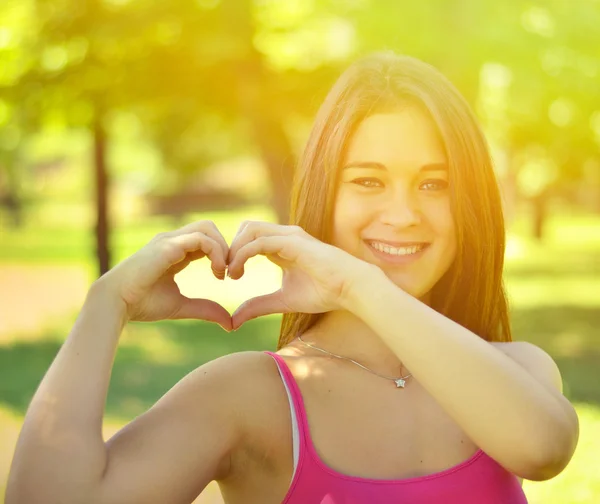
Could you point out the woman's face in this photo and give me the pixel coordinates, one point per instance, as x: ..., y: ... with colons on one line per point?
x: 393, y: 203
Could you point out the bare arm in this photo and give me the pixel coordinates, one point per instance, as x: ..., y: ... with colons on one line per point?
x: 60, y: 448
x: 512, y: 408
x: 170, y: 453
x: 166, y: 455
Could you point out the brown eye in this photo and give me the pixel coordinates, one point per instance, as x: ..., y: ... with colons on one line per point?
x: 368, y: 182
x: 435, y: 185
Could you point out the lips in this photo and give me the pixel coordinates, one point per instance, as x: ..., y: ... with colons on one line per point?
x: 397, y: 244
x: 397, y: 252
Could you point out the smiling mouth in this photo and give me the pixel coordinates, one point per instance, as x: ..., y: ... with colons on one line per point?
x: 408, y: 249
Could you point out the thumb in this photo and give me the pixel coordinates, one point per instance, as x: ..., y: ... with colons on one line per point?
x: 259, y: 306
x: 204, y: 309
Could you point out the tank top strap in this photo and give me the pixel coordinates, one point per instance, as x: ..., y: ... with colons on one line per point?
x: 298, y: 411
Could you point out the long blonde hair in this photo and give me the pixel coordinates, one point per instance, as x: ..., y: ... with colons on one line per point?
x: 471, y: 292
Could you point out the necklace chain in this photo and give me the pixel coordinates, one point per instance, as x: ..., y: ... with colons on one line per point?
x: 400, y: 382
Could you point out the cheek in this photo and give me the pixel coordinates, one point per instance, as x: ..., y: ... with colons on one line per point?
x: 439, y: 219
x: 349, y: 216
x: 446, y: 227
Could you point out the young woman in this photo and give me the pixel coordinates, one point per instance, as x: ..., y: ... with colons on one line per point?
x: 395, y: 378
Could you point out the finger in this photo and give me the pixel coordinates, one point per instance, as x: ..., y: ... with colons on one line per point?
x: 216, y: 235
x: 259, y: 306
x: 240, y: 230
x: 191, y: 257
x: 176, y: 248
x: 195, y: 242
x: 207, y: 227
x: 203, y: 309
x: 283, y: 246
x: 250, y: 231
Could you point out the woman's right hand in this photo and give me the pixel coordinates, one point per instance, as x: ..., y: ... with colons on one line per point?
x: 146, y: 283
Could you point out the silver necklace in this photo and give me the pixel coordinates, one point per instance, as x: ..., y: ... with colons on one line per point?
x: 400, y: 382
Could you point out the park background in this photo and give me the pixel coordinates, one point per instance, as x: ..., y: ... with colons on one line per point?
x: 123, y: 118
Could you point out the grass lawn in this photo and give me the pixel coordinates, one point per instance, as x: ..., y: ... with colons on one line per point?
x: 553, y: 287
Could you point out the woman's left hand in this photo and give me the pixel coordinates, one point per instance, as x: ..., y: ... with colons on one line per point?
x: 316, y: 276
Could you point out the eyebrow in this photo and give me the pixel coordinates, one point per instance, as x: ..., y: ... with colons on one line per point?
x: 380, y: 166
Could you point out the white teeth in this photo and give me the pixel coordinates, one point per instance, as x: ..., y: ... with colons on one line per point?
x: 397, y: 251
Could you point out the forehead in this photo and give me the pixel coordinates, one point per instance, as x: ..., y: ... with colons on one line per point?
x: 405, y: 137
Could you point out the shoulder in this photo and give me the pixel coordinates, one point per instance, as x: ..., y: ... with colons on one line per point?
x: 246, y: 381
x: 200, y: 422
x: 237, y: 376
x: 231, y: 390
x: 225, y: 388
x: 240, y: 362
x: 249, y: 391
x: 535, y: 360
x: 242, y: 391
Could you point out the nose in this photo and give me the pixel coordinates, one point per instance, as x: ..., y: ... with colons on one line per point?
x: 401, y: 210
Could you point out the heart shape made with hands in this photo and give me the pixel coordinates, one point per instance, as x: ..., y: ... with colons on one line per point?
x: 262, y: 277
x: 315, y: 277
x: 255, y: 292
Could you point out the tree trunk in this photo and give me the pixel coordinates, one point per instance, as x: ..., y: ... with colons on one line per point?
x: 102, y: 183
x: 279, y: 159
x: 255, y: 82
x: 540, y: 213
x: 11, y: 200
x: 268, y: 132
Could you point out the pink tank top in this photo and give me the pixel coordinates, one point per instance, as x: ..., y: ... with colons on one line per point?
x: 478, y: 480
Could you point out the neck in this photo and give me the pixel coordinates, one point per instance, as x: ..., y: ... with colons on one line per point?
x: 342, y: 333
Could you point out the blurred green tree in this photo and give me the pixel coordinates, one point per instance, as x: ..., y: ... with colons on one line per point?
x: 182, y: 67
x: 209, y: 79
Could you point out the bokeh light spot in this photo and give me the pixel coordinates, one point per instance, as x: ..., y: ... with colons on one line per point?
x: 5, y: 112
x: 561, y: 112
x: 538, y: 20
x: 5, y: 37
x: 595, y: 124
x: 54, y: 58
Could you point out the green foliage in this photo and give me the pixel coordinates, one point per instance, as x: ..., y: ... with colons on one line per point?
x: 200, y: 76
